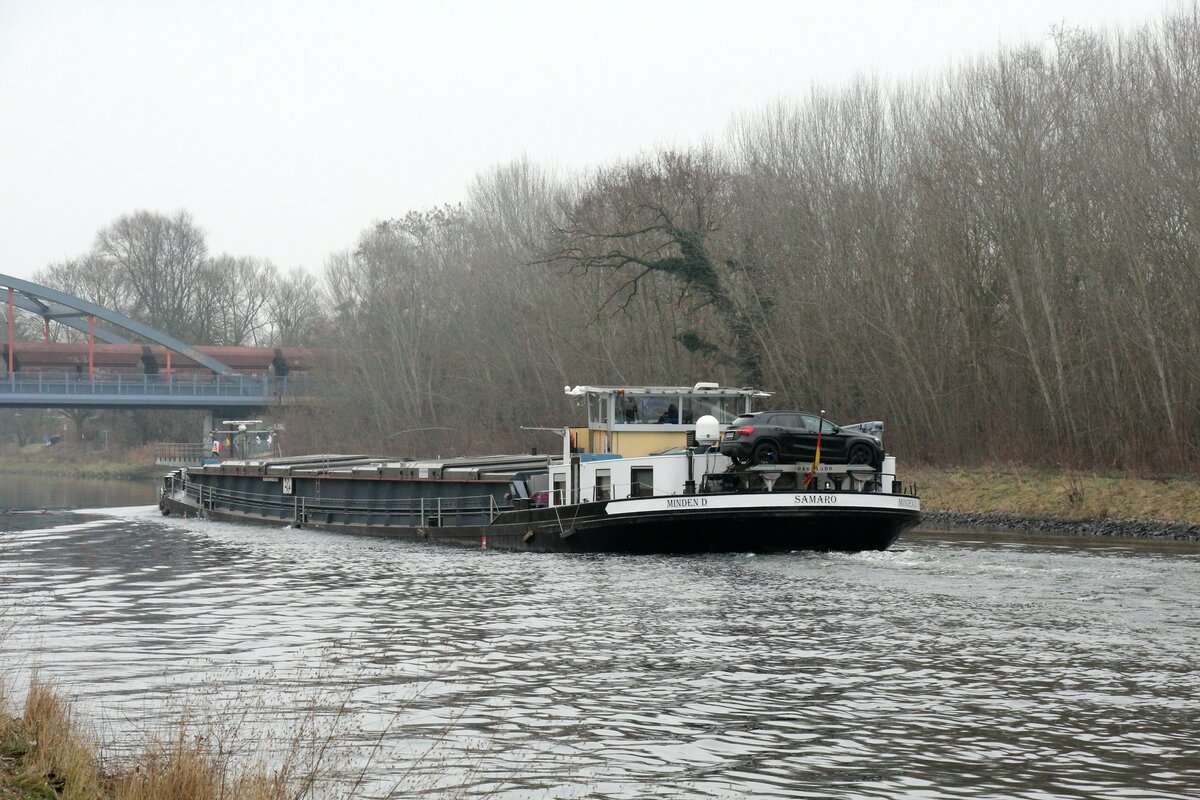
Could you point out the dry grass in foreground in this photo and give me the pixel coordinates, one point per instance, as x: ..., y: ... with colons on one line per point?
x: 45, y: 753
x: 1033, y: 492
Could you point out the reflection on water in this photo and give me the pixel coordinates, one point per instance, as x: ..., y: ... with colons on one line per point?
x: 939, y: 669
x: 24, y: 492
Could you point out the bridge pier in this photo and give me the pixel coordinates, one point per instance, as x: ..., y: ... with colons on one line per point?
x: 208, y: 426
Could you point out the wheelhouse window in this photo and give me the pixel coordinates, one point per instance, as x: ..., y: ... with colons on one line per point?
x: 635, y: 407
x: 597, y: 406
x: 687, y: 410
x: 658, y: 410
x: 627, y: 410
x: 725, y: 409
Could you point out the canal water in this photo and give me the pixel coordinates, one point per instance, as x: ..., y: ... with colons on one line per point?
x: 39, y: 492
x: 948, y: 667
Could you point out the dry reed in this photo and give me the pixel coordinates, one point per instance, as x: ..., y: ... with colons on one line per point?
x: 47, y: 752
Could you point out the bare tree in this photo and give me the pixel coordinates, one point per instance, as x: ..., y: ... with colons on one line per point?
x: 157, y: 259
x: 295, y: 308
x: 660, y: 219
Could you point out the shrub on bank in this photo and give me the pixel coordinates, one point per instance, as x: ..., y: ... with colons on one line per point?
x: 46, y: 753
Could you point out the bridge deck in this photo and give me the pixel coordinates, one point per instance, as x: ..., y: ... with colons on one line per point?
x: 66, y: 390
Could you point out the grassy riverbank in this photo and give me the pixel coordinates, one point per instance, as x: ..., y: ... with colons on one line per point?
x: 63, y: 461
x: 1065, y: 494
x: 45, y: 754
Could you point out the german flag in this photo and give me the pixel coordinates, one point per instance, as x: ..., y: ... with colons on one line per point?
x: 812, y: 473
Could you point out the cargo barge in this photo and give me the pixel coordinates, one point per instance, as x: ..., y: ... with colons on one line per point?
x: 644, y: 475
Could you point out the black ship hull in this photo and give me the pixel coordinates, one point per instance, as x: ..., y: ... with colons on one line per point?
x: 771, y: 524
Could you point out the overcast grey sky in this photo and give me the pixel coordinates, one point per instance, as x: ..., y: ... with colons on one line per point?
x: 285, y: 128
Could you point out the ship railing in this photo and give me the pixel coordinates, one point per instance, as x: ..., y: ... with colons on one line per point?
x: 424, y: 512
x: 634, y: 491
x: 179, y: 453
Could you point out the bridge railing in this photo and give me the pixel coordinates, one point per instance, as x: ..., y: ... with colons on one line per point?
x: 109, y: 385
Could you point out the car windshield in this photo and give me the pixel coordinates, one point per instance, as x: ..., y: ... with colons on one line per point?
x: 743, y: 420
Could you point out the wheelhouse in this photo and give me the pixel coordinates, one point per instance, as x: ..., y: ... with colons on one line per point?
x: 632, y: 421
x: 636, y: 440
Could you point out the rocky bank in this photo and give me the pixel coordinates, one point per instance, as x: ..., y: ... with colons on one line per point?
x: 1110, y: 528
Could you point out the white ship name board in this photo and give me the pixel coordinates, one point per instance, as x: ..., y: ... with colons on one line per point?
x: 765, y: 501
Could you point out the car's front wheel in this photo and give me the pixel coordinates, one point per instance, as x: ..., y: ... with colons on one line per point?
x: 765, y: 453
x: 859, y: 454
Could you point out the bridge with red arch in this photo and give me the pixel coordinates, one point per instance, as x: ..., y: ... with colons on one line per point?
x: 126, y: 364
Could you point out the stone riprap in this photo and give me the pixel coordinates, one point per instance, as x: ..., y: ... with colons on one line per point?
x: 1112, y: 528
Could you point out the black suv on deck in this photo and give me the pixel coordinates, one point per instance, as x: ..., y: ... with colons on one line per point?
x: 789, y: 437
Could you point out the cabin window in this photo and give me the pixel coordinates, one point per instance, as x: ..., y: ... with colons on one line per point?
x: 597, y: 409
x: 688, y: 407
x: 627, y: 410
x: 603, y: 484
x: 659, y: 409
x: 725, y: 409
x: 641, y: 482
x: 560, y: 491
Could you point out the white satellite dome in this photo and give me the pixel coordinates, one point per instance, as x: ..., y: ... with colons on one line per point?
x: 708, y: 430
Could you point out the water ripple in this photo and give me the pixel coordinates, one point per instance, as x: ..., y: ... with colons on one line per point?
x: 941, y: 669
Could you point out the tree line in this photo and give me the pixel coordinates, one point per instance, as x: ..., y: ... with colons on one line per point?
x: 1001, y: 262
x: 156, y: 268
